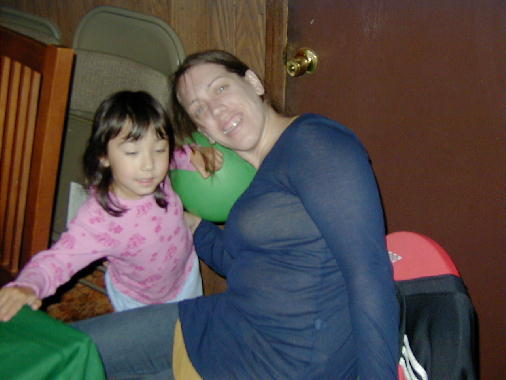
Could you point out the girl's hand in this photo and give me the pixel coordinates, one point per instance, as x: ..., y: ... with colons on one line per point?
x: 192, y: 221
x: 206, y: 160
x: 13, y: 298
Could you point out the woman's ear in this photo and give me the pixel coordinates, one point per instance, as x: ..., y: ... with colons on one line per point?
x: 253, y: 79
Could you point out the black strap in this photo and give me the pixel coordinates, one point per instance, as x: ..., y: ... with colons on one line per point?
x: 447, y: 283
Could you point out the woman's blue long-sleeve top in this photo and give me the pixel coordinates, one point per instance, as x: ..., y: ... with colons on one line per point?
x: 310, y: 290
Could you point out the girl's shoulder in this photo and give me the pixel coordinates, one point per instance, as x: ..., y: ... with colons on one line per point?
x: 89, y: 210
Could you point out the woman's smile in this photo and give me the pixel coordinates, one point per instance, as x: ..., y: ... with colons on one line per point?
x: 233, y: 125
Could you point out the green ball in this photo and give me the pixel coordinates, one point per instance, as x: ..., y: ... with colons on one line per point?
x: 212, y: 198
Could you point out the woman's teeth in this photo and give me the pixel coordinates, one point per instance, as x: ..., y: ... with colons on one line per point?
x: 234, y: 124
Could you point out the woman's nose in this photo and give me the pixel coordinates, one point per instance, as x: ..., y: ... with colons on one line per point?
x: 217, y: 108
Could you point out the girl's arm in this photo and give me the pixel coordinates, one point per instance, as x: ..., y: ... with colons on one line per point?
x: 192, y: 221
x: 205, y: 160
x: 333, y: 177
x: 49, y: 269
x: 12, y: 299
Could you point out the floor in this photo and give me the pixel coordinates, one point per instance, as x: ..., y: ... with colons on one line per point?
x: 76, y: 301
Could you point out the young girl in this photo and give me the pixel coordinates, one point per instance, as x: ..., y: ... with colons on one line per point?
x: 132, y: 216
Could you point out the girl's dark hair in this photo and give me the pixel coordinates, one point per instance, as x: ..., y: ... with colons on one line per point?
x: 142, y: 112
x: 182, y: 122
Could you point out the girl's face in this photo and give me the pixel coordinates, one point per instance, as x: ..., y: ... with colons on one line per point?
x: 137, y: 167
x: 225, y: 107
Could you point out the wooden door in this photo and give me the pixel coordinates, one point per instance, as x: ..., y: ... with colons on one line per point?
x: 422, y: 84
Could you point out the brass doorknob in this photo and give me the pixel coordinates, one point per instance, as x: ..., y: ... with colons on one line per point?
x: 304, y: 61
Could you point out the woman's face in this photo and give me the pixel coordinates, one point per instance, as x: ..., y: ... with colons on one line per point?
x: 225, y: 107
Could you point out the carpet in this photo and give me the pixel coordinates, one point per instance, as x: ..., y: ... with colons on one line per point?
x: 75, y: 301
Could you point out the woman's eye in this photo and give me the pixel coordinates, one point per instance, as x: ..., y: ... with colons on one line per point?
x: 220, y: 89
x: 130, y: 153
x: 161, y: 150
x: 198, y: 111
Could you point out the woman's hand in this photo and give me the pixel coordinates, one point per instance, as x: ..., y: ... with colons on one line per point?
x: 206, y: 160
x: 192, y: 221
x: 13, y: 298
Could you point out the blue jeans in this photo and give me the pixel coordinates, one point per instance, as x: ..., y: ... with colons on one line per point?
x: 135, y: 344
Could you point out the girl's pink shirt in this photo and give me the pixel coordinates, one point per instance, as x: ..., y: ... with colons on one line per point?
x: 149, y: 249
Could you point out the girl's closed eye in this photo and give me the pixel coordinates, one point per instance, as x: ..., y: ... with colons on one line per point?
x: 129, y: 148
x: 162, y: 149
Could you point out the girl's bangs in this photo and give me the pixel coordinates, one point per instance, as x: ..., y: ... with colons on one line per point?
x: 141, y: 126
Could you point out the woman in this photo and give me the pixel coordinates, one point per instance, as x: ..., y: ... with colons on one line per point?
x: 310, y: 290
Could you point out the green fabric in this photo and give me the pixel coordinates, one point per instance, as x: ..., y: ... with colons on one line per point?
x: 35, y: 346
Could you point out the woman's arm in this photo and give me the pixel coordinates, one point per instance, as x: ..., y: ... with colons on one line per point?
x: 208, y: 240
x: 334, y: 179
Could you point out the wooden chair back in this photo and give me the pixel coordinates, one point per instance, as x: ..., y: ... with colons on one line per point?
x: 34, y: 86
